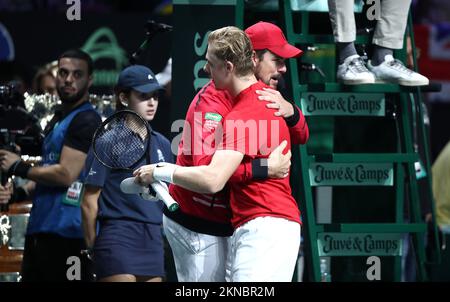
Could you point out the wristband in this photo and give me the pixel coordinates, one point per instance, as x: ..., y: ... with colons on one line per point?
x: 164, y: 173
x: 260, y: 169
x: 293, y: 120
x: 19, y: 168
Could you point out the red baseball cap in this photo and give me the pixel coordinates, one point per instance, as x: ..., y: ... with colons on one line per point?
x: 266, y: 35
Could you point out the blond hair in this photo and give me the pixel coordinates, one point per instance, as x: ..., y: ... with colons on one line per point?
x: 233, y: 45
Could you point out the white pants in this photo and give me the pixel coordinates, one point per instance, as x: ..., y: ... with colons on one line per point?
x: 389, y: 30
x: 198, y: 257
x: 264, y: 249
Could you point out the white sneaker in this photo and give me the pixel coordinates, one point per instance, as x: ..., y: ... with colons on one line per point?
x: 353, y: 71
x: 393, y: 71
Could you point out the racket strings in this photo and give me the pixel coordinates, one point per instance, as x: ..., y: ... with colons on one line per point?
x: 122, y: 141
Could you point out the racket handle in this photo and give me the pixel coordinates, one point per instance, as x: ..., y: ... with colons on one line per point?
x: 164, y: 195
x: 128, y: 186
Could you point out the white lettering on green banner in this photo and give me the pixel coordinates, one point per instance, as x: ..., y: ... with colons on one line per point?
x: 349, y: 104
x: 338, y: 174
x: 359, y: 244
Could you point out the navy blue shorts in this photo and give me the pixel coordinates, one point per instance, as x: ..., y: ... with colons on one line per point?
x: 128, y: 247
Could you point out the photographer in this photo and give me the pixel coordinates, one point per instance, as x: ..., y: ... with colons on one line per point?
x: 54, y: 229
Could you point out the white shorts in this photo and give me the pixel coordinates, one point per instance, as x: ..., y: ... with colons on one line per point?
x: 264, y: 249
x: 198, y: 257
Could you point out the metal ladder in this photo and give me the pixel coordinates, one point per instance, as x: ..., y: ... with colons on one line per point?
x: 395, y: 169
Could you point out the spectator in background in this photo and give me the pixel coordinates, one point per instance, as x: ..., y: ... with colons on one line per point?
x: 441, y: 188
x: 54, y: 229
x: 45, y: 80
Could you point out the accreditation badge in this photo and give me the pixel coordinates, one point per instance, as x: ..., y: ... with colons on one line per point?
x: 73, y: 194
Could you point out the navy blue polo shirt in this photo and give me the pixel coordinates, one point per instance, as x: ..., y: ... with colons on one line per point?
x: 113, y: 204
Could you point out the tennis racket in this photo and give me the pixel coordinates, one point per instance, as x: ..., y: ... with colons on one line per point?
x: 123, y: 140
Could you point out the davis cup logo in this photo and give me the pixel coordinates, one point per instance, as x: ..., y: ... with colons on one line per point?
x: 108, y: 56
x: 6, y: 45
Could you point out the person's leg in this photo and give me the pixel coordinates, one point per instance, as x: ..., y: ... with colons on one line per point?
x: 351, y: 69
x: 41, y: 260
x: 149, y: 279
x: 66, y: 250
x: 46, y: 258
x: 390, y: 29
x: 379, y: 54
x: 130, y: 278
x: 388, y: 36
x: 344, y: 30
x: 29, y: 271
x: 119, y: 278
x: 265, y: 250
x: 198, y: 257
x: 73, y: 248
x: 342, y: 20
x: 169, y: 262
x: 229, y: 258
x: 345, y: 50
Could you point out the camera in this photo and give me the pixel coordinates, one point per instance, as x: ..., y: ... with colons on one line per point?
x: 17, y: 125
x: 10, y: 95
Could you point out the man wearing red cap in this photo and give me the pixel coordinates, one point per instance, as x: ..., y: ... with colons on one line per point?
x: 266, y: 35
x: 198, y: 232
x: 272, y: 49
x: 265, y: 216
